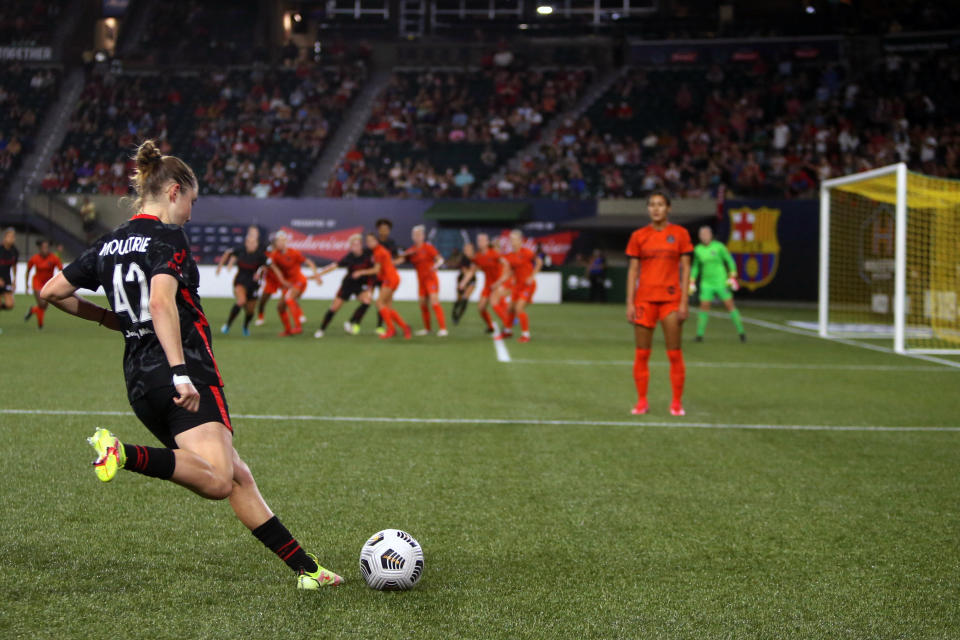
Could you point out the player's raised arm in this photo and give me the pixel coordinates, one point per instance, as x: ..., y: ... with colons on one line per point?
x: 61, y: 294
x: 228, y: 259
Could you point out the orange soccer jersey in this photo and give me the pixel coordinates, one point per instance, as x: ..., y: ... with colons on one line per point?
x: 423, y: 258
x: 489, y: 263
x: 388, y: 272
x: 659, y: 254
x: 45, y: 266
x: 522, y: 263
x: 288, y: 261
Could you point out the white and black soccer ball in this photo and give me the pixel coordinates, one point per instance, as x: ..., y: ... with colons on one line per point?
x: 391, y: 560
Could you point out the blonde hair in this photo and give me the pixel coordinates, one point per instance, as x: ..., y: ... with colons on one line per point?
x: 155, y: 170
x: 355, y: 236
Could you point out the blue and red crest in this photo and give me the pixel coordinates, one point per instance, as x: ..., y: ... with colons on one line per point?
x: 754, y: 246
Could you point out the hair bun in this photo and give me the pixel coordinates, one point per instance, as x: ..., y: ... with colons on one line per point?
x: 148, y: 156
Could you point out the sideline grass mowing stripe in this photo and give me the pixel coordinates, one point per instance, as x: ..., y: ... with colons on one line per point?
x: 508, y: 421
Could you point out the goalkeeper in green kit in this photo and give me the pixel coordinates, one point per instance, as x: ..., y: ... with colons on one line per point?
x: 718, y: 279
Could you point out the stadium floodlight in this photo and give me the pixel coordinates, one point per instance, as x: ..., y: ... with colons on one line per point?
x: 889, y: 264
x: 544, y: 10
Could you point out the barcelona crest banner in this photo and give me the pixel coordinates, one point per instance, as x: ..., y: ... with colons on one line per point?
x: 754, y: 245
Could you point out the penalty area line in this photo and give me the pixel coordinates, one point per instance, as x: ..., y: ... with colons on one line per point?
x: 514, y: 421
x: 749, y: 365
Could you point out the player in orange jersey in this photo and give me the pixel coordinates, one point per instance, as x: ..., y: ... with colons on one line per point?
x: 285, y: 263
x: 426, y: 260
x: 386, y: 273
x: 487, y: 259
x: 521, y: 266
x: 45, y: 264
x: 658, y: 282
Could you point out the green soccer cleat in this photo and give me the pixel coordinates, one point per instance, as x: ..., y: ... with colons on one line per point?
x: 381, y: 331
x: 319, y: 578
x: 110, y: 454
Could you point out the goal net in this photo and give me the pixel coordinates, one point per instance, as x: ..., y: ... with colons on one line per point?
x: 890, y: 259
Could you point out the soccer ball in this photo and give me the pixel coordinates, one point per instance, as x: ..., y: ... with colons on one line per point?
x: 391, y: 560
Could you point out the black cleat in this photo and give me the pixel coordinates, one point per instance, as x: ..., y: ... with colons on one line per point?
x: 743, y: 337
x: 29, y: 315
x: 698, y: 339
x: 491, y: 330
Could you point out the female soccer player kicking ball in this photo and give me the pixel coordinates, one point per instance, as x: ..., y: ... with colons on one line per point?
x: 386, y: 272
x: 173, y: 383
x: 426, y: 260
x: 45, y: 264
x: 250, y: 258
x: 521, y: 266
x: 718, y: 279
x: 657, y: 283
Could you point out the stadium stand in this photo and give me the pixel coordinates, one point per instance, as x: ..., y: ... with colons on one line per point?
x: 29, y: 21
x: 761, y: 131
x: 246, y: 132
x: 25, y: 94
x: 442, y: 133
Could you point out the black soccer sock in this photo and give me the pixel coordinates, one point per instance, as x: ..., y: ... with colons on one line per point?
x: 154, y: 462
x: 246, y: 320
x: 359, y: 313
x: 326, y: 319
x: 234, y: 310
x: 275, y: 537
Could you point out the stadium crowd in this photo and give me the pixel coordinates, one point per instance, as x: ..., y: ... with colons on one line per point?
x: 762, y: 131
x: 441, y: 134
x: 25, y: 94
x: 248, y: 132
x: 29, y: 22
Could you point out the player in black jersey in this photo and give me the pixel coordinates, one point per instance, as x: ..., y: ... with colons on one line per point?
x: 358, y: 258
x: 9, y: 254
x: 466, y: 281
x: 173, y: 383
x: 384, y: 227
x: 250, y: 258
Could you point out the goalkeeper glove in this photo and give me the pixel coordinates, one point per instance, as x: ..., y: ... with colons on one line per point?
x: 693, y: 288
x: 733, y: 282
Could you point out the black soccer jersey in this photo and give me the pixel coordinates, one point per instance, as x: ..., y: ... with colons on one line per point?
x: 249, y: 262
x: 124, y: 262
x: 352, y: 263
x: 390, y: 245
x: 8, y: 263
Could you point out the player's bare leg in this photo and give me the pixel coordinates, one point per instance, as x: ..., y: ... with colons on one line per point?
x: 672, y: 334
x: 434, y: 300
x: 520, y: 311
x: 643, y: 339
x: 6, y: 302
x: 482, y: 305
x: 264, y: 299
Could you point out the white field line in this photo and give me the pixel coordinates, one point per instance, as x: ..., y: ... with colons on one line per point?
x: 751, y: 365
x: 511, y: 421
x: 852, y: 343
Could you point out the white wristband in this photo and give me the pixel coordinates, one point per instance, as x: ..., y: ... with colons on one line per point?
x: 181, y: 380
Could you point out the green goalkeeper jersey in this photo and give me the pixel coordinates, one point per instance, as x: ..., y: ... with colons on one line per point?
x: 713, y: 263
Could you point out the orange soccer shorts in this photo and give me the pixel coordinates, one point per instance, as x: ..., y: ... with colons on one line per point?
x: 648, y: 314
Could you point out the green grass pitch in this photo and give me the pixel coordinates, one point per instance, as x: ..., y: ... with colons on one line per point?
x: 597, y: 525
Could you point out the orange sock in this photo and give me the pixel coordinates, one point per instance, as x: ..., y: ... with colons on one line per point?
x: 678, y: 373
x: 39, y: 313
x: 396, y: 318
x: 425, y: 314
x: 501, y: 311
x: 387, y: 319
x: 441, y: 319
x: 524, y: 320
x: 486, y: 318
x: 295, y: 311
x: 285, y: 318
x: 641, y: 372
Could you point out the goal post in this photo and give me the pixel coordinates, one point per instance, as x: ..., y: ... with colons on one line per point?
x: 890, y: 259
